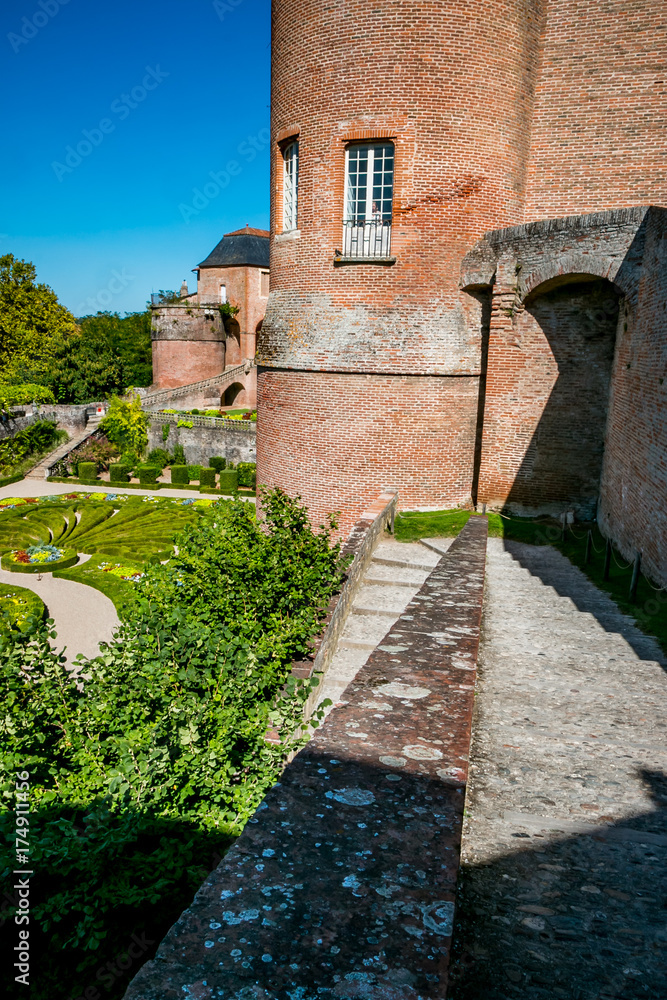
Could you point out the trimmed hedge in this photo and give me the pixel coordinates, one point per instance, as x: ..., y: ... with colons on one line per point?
x: 119, y: 473
x: 247, y: 474
x: 70, y: 558
x: 194, y: 472
x: 148, y: 475
x: 179, y: 474
x: 87, y: 471
x: 229, y: 481
x: 217, y: 463
x: 207, y: 477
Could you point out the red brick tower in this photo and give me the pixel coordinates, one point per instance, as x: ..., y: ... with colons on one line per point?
x: 400, y: 134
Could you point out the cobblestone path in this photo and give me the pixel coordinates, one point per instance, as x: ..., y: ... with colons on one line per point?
x: 562, y: 892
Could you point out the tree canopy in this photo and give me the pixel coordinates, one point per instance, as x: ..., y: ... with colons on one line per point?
x: 34, y: 326
x: 80, y: 361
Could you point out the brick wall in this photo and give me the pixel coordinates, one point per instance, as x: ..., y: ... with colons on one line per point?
x: 598, y: 134
x: 244, y: 290
x: 340, y: 439
x: 410, y: 73
x: 633, y: 498
x: 178, y: 362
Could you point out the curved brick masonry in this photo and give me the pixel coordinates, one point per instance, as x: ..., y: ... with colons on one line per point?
x: 343, y: 882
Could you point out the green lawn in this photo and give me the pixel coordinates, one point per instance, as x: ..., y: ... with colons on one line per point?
x: 650, y: 608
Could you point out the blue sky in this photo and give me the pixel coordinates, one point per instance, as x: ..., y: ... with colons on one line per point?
x: 116, y: 114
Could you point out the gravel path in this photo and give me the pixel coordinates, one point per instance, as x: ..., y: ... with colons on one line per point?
x: 565, y: 841
x: 83, y: 617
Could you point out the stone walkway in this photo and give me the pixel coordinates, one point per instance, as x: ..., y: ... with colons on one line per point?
x: 565, y: 842
x: 396, y: 573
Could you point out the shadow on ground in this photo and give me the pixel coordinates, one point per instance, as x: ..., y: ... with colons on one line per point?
x: 580, y: 919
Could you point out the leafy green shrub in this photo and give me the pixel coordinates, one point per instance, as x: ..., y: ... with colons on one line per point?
x: 217, y: 463
x: 165, y: 431
x: 207, y: 478
x: 178, y: 455
x: 141, y: 781
x: 195, y: 413
x: 194, y: 472
x: 247, y: 472
x: 212, y: 413
x: 148, y: 474
x: 126, y: 424
x: 159, y: 457
x: 119, y: 473
x: 179, y: 474
x: 35, y: 440
x: 229, y: 481
x: 21, y: 395
x: 185, y: 423
x: 87, y: 471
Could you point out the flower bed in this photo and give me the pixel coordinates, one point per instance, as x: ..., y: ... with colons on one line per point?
x: 20, y: 610
x: 40, y: 558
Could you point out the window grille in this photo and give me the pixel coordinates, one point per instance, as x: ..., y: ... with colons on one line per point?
x: 291, y: 186
x: 369, y: 190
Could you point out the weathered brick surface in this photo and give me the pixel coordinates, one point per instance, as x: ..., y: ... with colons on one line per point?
x: 633, y: 496
x: 340, y: 439
x: 598, y: 131
x: 567, y: 294
x: 526, y: 109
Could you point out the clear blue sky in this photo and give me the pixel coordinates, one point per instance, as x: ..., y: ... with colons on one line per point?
x: 181, y: 88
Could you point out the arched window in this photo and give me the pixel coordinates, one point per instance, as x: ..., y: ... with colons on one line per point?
x: 223, y: 293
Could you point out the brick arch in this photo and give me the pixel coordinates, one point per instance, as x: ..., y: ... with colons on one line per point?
x: 569, y: 269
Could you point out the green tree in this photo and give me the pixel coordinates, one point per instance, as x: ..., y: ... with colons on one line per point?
x: 126, y: 425
x: 107, y: 354
x: 34, y: 326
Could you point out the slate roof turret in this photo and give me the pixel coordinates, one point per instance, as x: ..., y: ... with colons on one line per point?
x: 243, y: 248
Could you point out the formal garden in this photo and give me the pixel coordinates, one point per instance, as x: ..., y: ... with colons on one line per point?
x: 142, y: 780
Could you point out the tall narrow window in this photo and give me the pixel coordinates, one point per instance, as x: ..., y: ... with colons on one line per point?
x: 264, y: 284
x: 369, y: 191
x: 223, y: 293
x: 290, y: 186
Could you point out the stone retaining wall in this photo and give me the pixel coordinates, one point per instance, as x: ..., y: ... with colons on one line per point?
x: 343, y: 883
x: 234, y: 440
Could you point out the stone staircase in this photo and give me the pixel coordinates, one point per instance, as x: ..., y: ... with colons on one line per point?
x: 396, y: 573
x: 153, y: 400
x: 42, y: 470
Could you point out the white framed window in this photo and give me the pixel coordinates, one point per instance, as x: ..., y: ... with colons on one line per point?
x: 264, y: 284
x: 369, y: 193
x: 290, y: 186
x: 223, y: 294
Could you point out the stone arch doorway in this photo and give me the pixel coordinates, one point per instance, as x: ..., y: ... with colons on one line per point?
x: 548, y: 381
x: 567, y: 329
x: 235, y: 393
